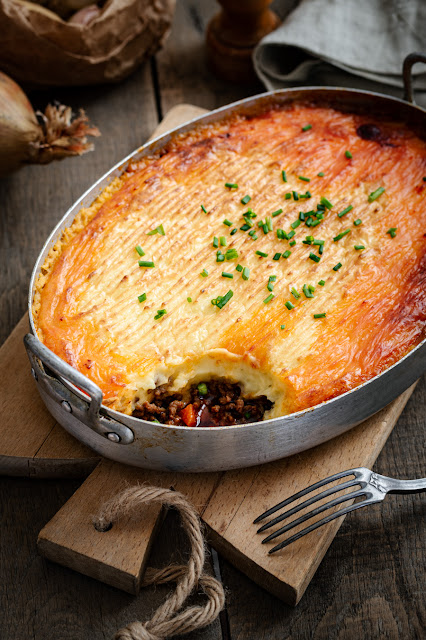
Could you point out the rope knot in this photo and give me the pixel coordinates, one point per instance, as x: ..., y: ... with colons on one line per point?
x: 170, y: 619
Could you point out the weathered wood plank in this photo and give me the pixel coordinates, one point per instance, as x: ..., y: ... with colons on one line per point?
x: 370, y: 583
x: 181, y: 64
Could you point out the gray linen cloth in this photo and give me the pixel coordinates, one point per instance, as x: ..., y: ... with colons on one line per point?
x: 352, y: 43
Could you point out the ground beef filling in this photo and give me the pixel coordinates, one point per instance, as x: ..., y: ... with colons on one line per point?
x: 212, y: 404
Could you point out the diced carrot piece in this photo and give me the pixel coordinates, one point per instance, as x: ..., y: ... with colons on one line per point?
x: 189, y: 415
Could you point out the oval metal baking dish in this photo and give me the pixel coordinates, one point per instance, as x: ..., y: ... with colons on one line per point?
x: 76, y: 402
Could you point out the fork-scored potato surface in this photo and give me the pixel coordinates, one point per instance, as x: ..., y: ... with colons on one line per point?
x: 86, y: 306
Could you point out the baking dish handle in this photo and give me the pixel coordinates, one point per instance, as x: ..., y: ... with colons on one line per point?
x: 44, y: 363
x: 407, y: 77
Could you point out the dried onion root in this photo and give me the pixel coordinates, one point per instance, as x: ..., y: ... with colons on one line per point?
x: 24, y: 139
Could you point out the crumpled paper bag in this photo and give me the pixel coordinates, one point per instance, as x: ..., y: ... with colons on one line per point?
x: 40, y: 49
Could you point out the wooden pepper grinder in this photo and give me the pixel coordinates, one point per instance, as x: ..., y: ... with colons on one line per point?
x: 232, y: 35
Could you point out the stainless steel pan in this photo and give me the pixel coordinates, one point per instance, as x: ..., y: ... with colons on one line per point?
x: 76, y: 402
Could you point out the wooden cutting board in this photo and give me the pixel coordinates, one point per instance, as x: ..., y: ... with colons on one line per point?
x: 33, y: 444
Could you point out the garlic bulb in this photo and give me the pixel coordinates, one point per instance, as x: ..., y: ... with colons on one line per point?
x: 24, y: 139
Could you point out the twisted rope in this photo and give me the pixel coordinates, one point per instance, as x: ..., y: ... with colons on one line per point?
x: 169, y: 620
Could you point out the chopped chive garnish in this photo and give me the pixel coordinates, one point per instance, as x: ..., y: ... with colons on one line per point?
x: 306, y: 195
x: 226, y: 274
x: 204, y: 273
x: 159, y: 229
x: 341, y: 235
x: 250, y: 214
x: 289, y: 305
x: 246, y: 199
x: 392, y: 232
x: 359, y: 247
x: 290, y: 234
x: 287, y: 196
x: 302, y: 216
x: 304, y: 179
x: 231, y: 185
x: 146, y: 263
x: 227, y: 222
x: 277, y: 256
x: 326, y: 203
x: 233, y: 232
x: 272, y: 278
x: 357, y: 222
x: 269, y: 298
x: 345, y: 211
x: 286, y: 254
x: 311, y: 288
x: 222, y: 241
x: 142, y: 297
x: 348, y: 154
x: 375, y: 194
x: 308, y: 293
x: 239, y: 267
x: 245, y: 227
x: 318, y: 242
x: 139, y: 249
x: 254, y: 236
x: 276, y: 213
x: 246, y: 273
x: 270, y: 286
x: 262, y: 254
x: 295, y: 293
x: 295, y: 224
x: 284, y: 176
x: 307, y: 127
x: 221, y: 301
x: 252, y: 232
x: 292, y: 243
x: 269, y: 223
x: 160, y: 313
x: 280, y: 234
x: 321, y: 283
x: 203, y: 208
x: 231, y: 254
x: 319, y: 315
x: 282, y: 326
x: 155, y: 420
x: 295, y: 195
x: 337, y: 266
x: 189, y: 299
x: 320, y: 174
x: 314, y: 257
x: 321, y: 249
x: 215, y: 242
x: 220, y: 256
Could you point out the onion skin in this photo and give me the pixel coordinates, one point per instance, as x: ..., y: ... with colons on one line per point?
x: 26, y: 140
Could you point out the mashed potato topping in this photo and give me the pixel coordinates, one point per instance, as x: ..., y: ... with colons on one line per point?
x: 283, y: 251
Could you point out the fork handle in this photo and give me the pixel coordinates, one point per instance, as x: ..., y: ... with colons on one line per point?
x: 391, y: 485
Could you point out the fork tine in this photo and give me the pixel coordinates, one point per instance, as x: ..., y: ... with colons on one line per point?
x: 317, y: 511
x: 307, y: 503
x: 320, y: 523
x: 303, y: 492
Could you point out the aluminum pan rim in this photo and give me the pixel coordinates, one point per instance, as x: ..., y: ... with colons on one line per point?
x: 93, y: 191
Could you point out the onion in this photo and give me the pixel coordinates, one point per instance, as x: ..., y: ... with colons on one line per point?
x: 24, y: 139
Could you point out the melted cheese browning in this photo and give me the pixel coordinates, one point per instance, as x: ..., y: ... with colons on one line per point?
x: 86, y: 307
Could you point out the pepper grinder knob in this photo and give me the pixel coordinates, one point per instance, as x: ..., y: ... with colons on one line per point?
x: 233, y: 34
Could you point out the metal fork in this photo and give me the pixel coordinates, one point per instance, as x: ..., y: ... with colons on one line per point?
x: 372, y: 488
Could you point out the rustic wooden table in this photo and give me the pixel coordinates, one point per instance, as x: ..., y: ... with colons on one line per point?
x: 371, y: 582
